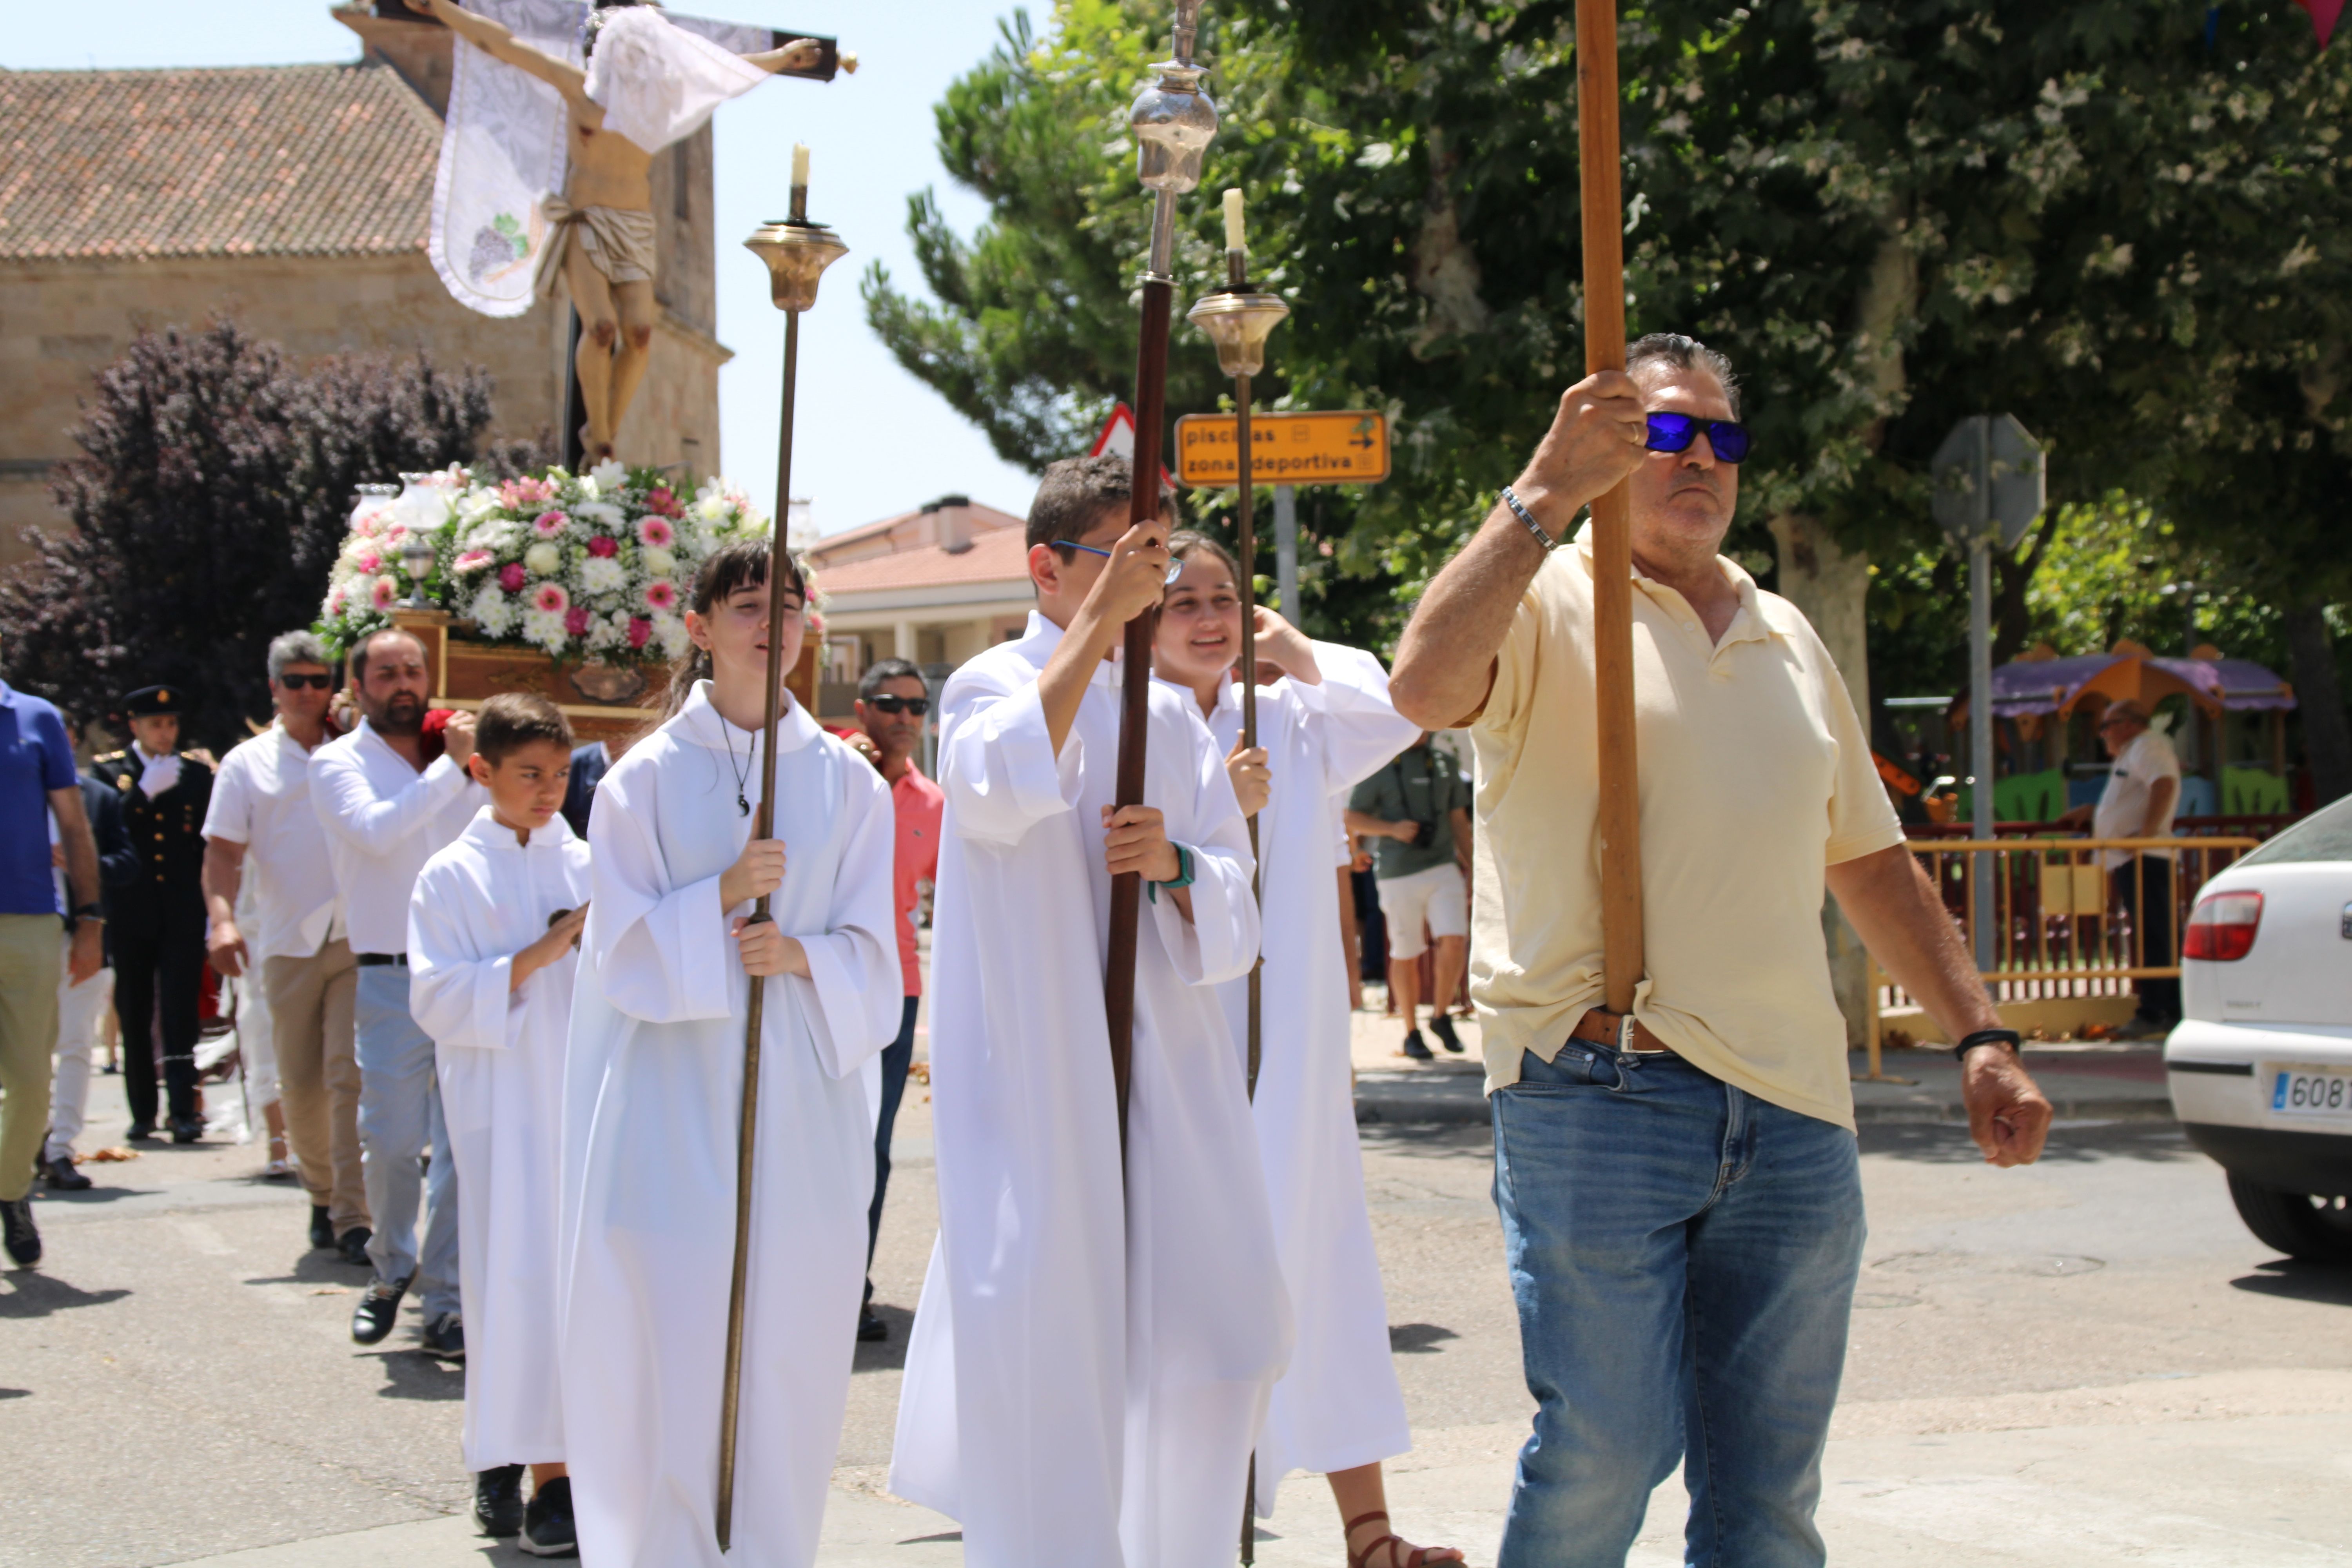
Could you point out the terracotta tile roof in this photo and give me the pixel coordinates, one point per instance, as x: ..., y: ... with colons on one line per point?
x: 999, y: 554
x: 317, y: 160
x: 872, y: 538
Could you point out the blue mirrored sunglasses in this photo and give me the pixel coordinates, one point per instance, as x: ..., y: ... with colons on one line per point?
x: 1175, y: 568
x: 1675, y: 432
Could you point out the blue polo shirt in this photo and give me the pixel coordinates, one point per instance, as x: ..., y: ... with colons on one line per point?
x: 34, y: 758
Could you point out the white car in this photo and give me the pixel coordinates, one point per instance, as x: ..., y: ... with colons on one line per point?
x: 2260, y: 1065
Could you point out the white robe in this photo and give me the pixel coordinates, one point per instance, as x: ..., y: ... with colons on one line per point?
x: 1086, y: 1375
x: 500, y: 1053
x: 1339, y: 1406
x: 652, y: 1097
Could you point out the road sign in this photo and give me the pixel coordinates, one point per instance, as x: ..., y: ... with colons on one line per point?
x: 1116, y: 437
x: 1348, y: 448
x: 1989, y: 472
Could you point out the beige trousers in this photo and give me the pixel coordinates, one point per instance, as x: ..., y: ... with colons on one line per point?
x: 318, y: 1074
x: 29, y: 964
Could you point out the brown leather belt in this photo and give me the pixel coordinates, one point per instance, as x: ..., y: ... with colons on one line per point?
x: 1600, y: 1026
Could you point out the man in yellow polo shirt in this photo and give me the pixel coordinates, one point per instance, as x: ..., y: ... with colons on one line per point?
x: 1680, y: 1192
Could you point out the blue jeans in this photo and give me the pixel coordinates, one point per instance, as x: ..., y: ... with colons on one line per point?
x: 896, y: 1058
x: 400, y: 1120
x: 1683, y: 1258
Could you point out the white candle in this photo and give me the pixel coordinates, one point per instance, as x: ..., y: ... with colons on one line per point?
x: 1233, y: 235
x: 800, y: 162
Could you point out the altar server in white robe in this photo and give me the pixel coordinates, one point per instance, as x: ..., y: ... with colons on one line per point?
x: 1323, y: 722
x: 1087, y: 1373
x: 653, y: 1093
x: 492, y: 929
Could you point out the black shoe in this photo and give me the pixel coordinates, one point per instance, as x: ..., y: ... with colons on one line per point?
x: 355, y: 1245
x: 372, y: 1319
x: 24, y: 1238
x: 63, y: 1177
x: 871, y: 1328
x: 498, y: 1500
x: 2143, y: 1027
x: 323, y: 1229
x: 444, y: 1337
x: 547, y: 1530
x: 1414, y: 1049
x: 1443, y: 1028
x: 187, y: 1130
x: 141, y: 1133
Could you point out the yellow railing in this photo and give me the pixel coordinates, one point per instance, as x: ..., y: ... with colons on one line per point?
x: 2064, y: 924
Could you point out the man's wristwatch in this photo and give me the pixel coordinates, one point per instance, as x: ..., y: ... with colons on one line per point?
x: 1182, y: 879
x: 2008, y: 1037
x: 90, y: 912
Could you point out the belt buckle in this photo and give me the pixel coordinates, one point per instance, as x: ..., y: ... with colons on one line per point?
x: 1627, y: 1044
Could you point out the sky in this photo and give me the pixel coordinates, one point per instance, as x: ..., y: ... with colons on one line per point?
x: 872, y: 440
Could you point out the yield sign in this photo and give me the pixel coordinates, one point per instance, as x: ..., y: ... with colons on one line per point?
x: 1117, y: 438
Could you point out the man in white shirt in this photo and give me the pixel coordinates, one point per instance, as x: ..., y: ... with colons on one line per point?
x: 387, y: 811
x: 2142, y: 795
x: 261, y: 811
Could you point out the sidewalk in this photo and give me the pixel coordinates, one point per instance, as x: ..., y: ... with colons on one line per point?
x: 2085, y: 1081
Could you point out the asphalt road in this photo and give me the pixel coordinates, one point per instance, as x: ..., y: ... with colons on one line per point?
x: 2086, y: 1362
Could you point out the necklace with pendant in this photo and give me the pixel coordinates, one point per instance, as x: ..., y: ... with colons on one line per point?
x: 743, y: 776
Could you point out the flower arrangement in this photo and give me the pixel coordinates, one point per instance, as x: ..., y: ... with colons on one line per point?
x: 584, y: 567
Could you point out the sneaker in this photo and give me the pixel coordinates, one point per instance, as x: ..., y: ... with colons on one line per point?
x: 372, y: 1319
x: 498, y: 1500
x: 322, y: 1228
x: 63, y: 1177
x: 444, y: 1337
x: 141, y: 1133
x: 355, y: 1245
x: 1443, y: 1028
x: 871, y: 1328
x: 1414, y: 1047
x: 187, y: 1130
x: 546, y: 1529
x: 22, y: 1235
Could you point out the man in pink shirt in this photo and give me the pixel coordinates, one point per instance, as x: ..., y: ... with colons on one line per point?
x: 891, y: 703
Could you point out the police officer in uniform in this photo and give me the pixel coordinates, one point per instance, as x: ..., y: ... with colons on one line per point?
x: 158, y: 922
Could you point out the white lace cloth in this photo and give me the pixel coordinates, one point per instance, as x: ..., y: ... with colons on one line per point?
x: 502, y: 155
x: 659, y: 81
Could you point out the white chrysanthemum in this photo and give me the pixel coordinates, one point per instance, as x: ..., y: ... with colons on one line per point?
x: 542, y: 560
x: 545, y: 628
x: 610, y: 475
x: 657, y: 562
x: 670, y: 632
x: 492, y: 611
x: 603, y: 574
x: 603, y: 634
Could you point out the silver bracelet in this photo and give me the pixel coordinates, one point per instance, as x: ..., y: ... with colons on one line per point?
x: 1524, y: 515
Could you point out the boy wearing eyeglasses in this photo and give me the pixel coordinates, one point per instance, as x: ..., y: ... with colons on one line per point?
x: 892, y: 706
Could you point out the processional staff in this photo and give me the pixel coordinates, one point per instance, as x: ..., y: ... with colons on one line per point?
x: 1613, y: 532
x: 796, y: 252
x: 1174, y: 123
x: 1238, y: 320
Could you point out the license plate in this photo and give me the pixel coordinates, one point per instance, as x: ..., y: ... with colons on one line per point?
x: 2296, y: 1091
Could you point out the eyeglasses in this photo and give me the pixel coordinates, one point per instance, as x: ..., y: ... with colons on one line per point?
x: 885, y: 703
x: 314, y: 682
x: 1175, y: 568
x: 1675, y: 432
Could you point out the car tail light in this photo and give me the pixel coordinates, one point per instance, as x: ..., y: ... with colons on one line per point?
x: 2222, y: 929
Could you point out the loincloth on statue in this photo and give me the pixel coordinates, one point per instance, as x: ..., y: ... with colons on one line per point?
x: 619, y: 243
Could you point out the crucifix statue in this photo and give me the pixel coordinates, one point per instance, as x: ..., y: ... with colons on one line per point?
x: 644, y: 83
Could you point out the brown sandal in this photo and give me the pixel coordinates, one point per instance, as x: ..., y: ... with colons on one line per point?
x: 1420, y: 1556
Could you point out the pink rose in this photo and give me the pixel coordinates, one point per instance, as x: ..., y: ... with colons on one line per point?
x: 369, y: 561
x: 575, y: 621
x: 661, y: 594
x: 549, y: 524
x: 517, y: 494
x: 473, y: 560
x: 335, y: 602
x: 640, y: 629
x: 395, y: 532
x: 551, y: 599
x: 510, y: 577
x: 385, y: 594
x: 367, y: 525
x: 653, y: 532
x: 601, y: 546
x: 663, y: 502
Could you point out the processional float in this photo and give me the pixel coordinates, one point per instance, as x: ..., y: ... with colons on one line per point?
x: 796, y: 252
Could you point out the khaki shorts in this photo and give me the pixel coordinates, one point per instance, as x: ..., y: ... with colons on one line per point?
x: 1438, y: 896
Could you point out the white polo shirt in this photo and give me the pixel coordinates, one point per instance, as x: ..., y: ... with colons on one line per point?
x: 2123, y: 804
x: 383, y: 820
x: 261, y: 799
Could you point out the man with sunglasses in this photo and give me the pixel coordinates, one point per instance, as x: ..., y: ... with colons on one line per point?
x: 2142, y: 795
x: 892, y: 703
x: 262, y: 817
x: 1679, y: 1187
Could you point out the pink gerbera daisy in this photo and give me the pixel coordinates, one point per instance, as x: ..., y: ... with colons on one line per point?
x: 384, y: 594
x: 661, y: 594
x: 549, y: 524
x: 655, y: 533
x: 473, y: 560
x: 551, y: 599
x: 510, y: 577
x: 601, y: 546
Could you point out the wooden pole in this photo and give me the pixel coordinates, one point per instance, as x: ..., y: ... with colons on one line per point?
x: 1245, y: 527
x: 1612, y: 536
